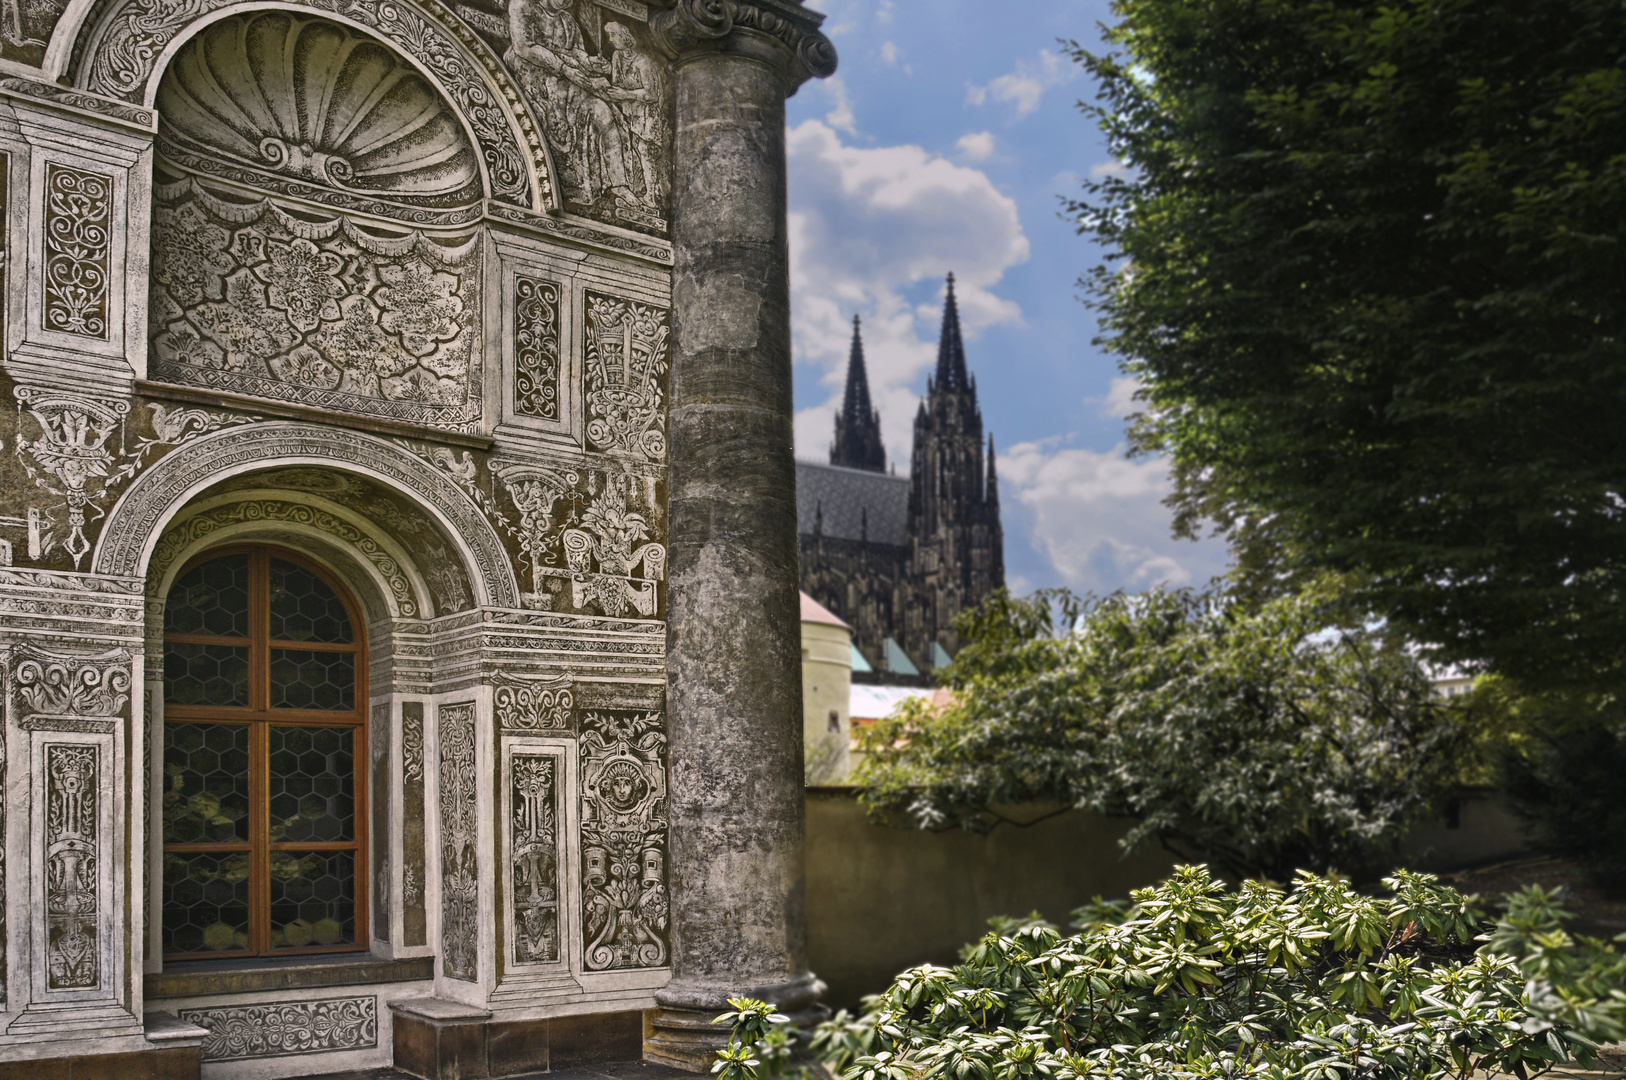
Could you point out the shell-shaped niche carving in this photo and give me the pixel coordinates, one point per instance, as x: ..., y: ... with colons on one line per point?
x: 310, y: 99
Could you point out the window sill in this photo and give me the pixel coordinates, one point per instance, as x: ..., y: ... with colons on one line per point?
x: 201, y: 978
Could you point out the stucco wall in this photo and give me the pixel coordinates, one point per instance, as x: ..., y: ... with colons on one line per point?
x: 826, y: 688
x: 881, y: 899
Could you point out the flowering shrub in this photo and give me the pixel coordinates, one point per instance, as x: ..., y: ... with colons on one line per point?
x: 1317, y: 982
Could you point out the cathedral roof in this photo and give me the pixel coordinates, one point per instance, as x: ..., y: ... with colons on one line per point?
x: 847, y: 501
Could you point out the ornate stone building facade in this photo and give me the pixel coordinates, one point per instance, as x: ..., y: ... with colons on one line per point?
x: 898, y: 558
x: 353, y: 521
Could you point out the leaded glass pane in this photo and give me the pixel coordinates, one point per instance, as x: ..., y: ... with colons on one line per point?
x: 211, y: 598
x: 313, y: 784
x: 313, y: 899
x: 205, y: 674
x: 313, y: 680
x: 303, y: 608
x: 205, y: 901
x: 205, y: 793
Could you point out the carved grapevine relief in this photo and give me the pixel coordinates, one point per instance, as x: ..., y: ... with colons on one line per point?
x: 72, y: 777
x: 255, y: 299
x: 624, y: 840
x: 535, y: 799
x: 459, y: 863
x: 240, y: 1032
x: 78, y: 219
x: 530, y: 706
x: 626, y: 361
x: 536, y: 348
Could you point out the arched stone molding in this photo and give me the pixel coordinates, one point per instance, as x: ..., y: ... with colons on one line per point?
x: 136, y: 523
x: 268, y: 514
x: 120, y: 48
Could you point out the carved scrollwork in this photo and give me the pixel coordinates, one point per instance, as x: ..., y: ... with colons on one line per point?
x: 624, y: 840
x: 532, y: 706
x: 459, y: 860
x: 78, y: 217
x: 79, y: 686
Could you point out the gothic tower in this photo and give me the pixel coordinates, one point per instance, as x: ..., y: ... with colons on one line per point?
x: 858, y: 426
x: 956, y: 543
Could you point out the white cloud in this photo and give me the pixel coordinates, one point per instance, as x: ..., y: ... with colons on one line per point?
x: 978, y: 146
x: 889, y: 53
x: 1120, y: 401
x: 1100, y: 520
x: 867, y: 225
x: 840, y: 115
x: 1024, y: 87
x: 1108, y: 168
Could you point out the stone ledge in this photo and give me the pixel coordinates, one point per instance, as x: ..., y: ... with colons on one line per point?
x: 287, y: 976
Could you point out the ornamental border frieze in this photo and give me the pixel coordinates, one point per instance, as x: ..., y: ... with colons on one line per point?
x: 81, y: 102
x: 160, y: 489
x: 285, y: 1028
x: 117, y: 57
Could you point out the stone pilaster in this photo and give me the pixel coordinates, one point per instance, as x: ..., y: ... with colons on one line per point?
x: 734, y: 653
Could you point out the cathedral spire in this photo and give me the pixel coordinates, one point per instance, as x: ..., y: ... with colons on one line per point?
x: 990, y: 493
x: 858, y: 426
x: 950, y: 349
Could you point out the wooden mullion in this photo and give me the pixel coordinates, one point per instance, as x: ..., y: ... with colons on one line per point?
x: 315, y: 845
x: 208, y: 639
x: 310, y: 646
x: 233, y: 848
x: 259, y: 790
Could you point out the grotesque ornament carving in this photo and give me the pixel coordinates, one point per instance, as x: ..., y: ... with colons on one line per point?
x: 72, y: 774
x: 532, y: 706
x: 626, y: 377
x: 311, y: 99
x: 251, y: 298
x: 240, y: 1032
x: 624, y: 838
x: 534, y: 796
x: 459, y: 862
x: 71, y: 459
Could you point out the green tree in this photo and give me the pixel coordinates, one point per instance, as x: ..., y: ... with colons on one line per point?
x: 1261, y: 737
x: 1367, y: 262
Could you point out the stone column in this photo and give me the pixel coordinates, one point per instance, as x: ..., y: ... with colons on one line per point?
x: 739, y: 923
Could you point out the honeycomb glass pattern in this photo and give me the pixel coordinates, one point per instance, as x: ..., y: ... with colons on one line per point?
x: 303, y: 608
x: 313, y: 680
x: 205, y: 793
x: 205, y: 674
x: 211, y: 598
x: 313, y: 784
x: 205, y: 901
x: 313, y: 900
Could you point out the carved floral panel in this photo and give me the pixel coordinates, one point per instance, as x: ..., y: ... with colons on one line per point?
x: 254, y: 298
x: 459, y: 860
x: 78, y: 235
x: 626, y: 361
x: 536, y: 348
x: 624, y: 840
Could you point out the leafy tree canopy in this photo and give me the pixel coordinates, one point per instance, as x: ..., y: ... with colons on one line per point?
x: 1196, y: 983
x: 1262, y: 737
x: 1369, y: 269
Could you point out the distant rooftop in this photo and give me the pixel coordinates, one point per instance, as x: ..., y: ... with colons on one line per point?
x: 815, y: 612
x: 849, y: 499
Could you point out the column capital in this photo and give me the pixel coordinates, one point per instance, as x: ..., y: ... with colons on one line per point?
x: 781, y: 33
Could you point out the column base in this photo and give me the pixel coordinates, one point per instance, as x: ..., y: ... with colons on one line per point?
x: 446, y: 1040
x: 680, y: 1033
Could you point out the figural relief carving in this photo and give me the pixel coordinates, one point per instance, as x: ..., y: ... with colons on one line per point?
x: 459, y: 863
x: 624, y: 840
x: 532, y: 706
x: 536, y: 347
x: 601, y: 98
x: 592, y: 542
x: 626, y: 360
x: 254, y: 298
x: 72, y: 779
x: 78, y: 234
x: 534, y: 796
x: 311, y: 99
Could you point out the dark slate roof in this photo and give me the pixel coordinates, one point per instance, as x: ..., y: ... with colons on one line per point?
x: 845, y: 495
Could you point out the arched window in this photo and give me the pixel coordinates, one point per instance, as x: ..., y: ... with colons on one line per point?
x: 264, y: 741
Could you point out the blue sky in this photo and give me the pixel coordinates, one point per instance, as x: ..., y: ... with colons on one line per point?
x: 944, y: 143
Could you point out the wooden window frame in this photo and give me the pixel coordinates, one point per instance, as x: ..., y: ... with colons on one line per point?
x: 259, y: 717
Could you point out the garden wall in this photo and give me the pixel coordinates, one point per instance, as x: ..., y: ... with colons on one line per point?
x: 882, y: 899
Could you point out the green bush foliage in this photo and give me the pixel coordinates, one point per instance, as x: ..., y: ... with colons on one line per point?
x: 1193, y: 982
x: 1259, y: 737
